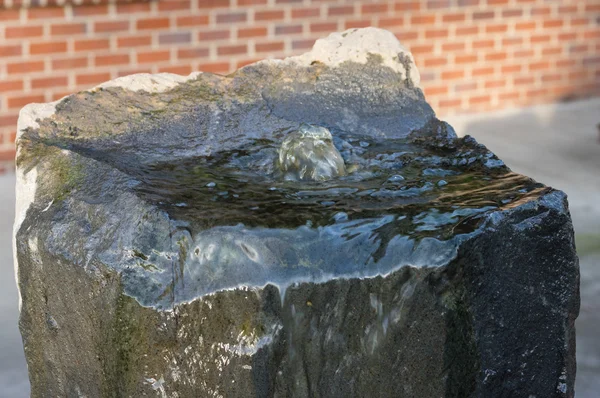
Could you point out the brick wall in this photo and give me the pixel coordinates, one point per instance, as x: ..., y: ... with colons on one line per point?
x: 473, y: 54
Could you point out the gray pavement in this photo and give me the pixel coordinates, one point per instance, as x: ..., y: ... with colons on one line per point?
x: 556, y: 144
x: 14, y: 382
x: 559, y: 145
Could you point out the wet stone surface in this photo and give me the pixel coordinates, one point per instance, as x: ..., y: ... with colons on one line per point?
x: 298, y: 228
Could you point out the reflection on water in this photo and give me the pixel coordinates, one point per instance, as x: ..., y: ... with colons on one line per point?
x: 236, y: 221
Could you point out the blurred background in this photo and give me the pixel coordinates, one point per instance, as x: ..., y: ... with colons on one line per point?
x: 522, y: 76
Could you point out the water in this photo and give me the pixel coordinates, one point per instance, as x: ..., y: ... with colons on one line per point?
x: 237, y: 219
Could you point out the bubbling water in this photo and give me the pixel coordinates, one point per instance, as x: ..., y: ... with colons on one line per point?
x: 309, y: 154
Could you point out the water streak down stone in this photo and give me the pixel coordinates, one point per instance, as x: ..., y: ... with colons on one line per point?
x: 301, y: 228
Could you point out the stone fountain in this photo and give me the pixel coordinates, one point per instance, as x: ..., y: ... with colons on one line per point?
x: 300, y: 228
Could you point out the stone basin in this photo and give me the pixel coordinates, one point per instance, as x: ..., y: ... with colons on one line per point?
x: 164, y: 250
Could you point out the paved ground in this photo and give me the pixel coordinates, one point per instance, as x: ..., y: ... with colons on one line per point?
x: 557, y: 145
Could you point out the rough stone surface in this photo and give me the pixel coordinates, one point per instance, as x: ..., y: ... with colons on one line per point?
x: 162, y: 252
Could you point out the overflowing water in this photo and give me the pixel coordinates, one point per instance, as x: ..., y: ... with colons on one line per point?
x: 271, y: 213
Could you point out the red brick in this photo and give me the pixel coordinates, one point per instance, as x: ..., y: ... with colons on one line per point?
x: 56, y: 95
x: 374, y: 8
x: 45, y: 12
x: 453, y: 74
x: 422, y: 19
x: 193, y: 53
x: 252, y: 32
x: 567, y: 36
x: 9, y: 120
x: 508, y: 97
x: 113, y: 59
x: 483, y: 44
x: 244, y: 62
x: 306, y: 13
x: 404, y: 5
x: 323, y: 27
x: 562, y: 10
x: 546, y: 51
x: 580, y: 48
x: 179, y: 70
x: 10, y: 15
x: 232, y: 50
x: 232, y: 17
x: 303, y: 44
x: 424, y: 49
x: 512, y: 41
x: 153, y: 56
x: 526, y: 25
x: 192, y: 20
x: 48, y: 47
x: 435, y: 4
x: 8, y: 154
x: 92, y: 44
x: 268, y: 15
x: 11, y: 85
x: 436, y: 90
x: 482, y: 71
x: 336, y: 11
x: 392, y: 22
x: 406, y: 36
x: 134, y: 41
x: 358, y: 23
x: 552, y: 23
x: 88, y: 79
x: 19, y: 32
x: 269, y: 47
x: 467, y: 31
x: 553, y: 77
x: 49, y: 82
x: 288, y: 29
x: 133, y: 8
x: 10, y: 51
x: 539, y: 38
x: 459, y: 17
x: 25, y: 67
x: 483, y: 15
x: 495, y: 29
x: 86, y: 11
x: 540, y: 11
x: 592, y: 34
x: 526, y: 53
x: 22, y: 100
x: 152, y: 23
x: 213, y: 35
x: 67, y: 29
x: 462, y: 87
x: 465, y: 59
x: 212, y: 3
x: 452, y: 47
x: 436, y: 33
x: 510, y: 68
x: 496, y: 56
x: 111, y: 26
x: 480, y: 99
x: 540, y: 65
x: 215, y: 67
x: 175, y: 38
x: 495, y: 83
x: 512, y: 13
x: 131, y: 71
x: 170, y: 5
x: 450, y: 103
x: 69, y: 63
x: 435, y: 61
x: 251, y: 2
